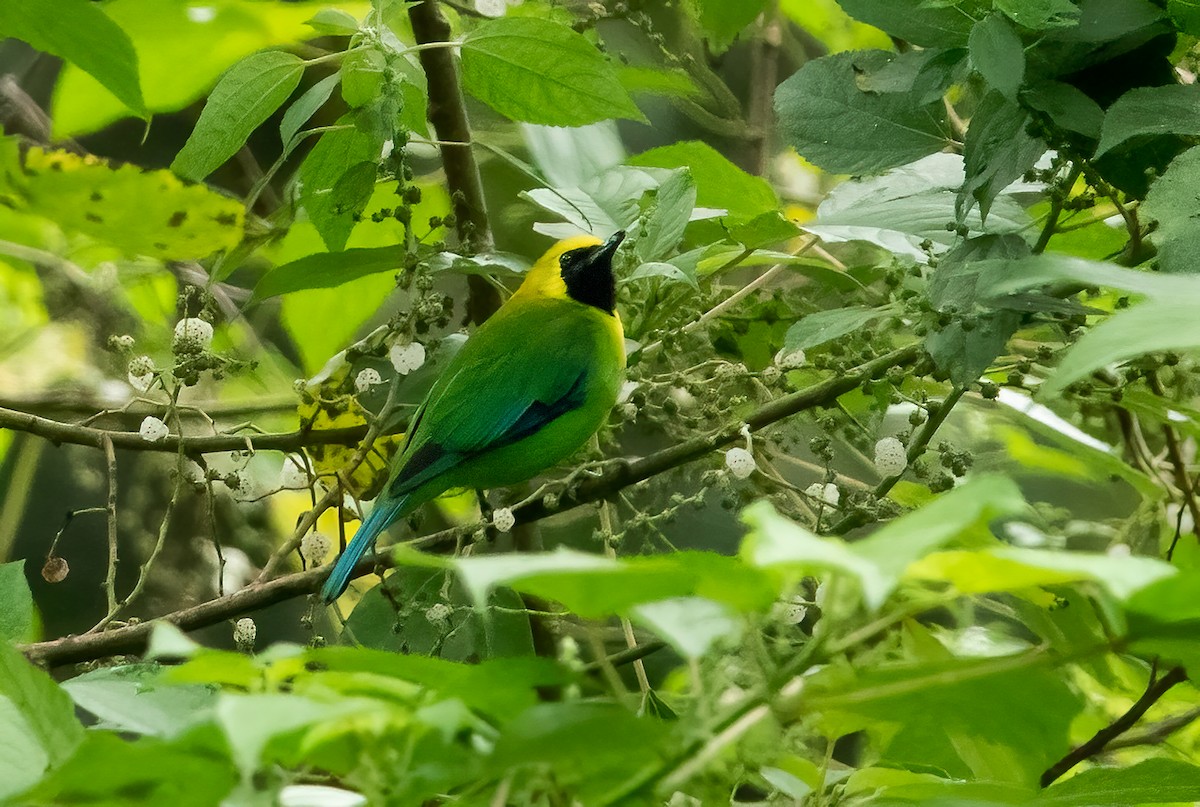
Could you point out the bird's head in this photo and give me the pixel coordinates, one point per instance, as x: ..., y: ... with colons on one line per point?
x: 579, y: 268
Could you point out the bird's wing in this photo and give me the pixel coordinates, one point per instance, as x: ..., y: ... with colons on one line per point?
x: 528, y: 371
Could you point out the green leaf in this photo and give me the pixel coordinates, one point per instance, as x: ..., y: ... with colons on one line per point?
x: 691, y: 625
x: 997, y: 152
x: 719, y: 183
x: 669, y: 208
x: 133, y: 699
x: 723, y: 20
x: 305, y: 107
x: 16, y: 603
x: 915, y: 21
x: 244, y: 97
x: 251, y: 722
x: 825, y: 326
x: 1152, y: 781
x: 663, y: 269
x: 1163, y: 618
x: 1040, y: 15
x: 362, y: 76
x: 1067, y: 106
x: 601, y: 205
x: 998, y: 55
x: 79, y: 32
x: 46, y: 713
x: 517, y: 65
x: 833, y: 124
x: 336, y: 154
x: 334, y: 22
x: 1173, y: 109
x: 924, y: 75
x: 1171, y: 203
x: 1145, y: 328
x: 327, y: 270
x: 657, y: 81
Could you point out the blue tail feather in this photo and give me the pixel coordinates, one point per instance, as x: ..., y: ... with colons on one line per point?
x: 383, y: 515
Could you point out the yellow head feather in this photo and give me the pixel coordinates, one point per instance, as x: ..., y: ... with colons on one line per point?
x: 545, y: 277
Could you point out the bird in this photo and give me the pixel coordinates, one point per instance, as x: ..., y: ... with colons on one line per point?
x: 525, y: 392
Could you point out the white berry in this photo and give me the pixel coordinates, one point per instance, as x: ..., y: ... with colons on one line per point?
x: 406, y: 358
x: 293, y: 475
x: 366, y: 379
x: 828, y: 493
x: 124, y: 341
x: 790, y: 359
x: 438, y: 613
x: 740, y: 462
x: 192, y: 335
x: 192, y: 472
x: 153, y: 429
x: 491, y: 8
x: 244, y: 634
x: 314, y: 547
x: 503, y: 519
x: 890, y: 458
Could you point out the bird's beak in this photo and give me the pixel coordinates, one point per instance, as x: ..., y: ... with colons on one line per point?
x: 609, y: 247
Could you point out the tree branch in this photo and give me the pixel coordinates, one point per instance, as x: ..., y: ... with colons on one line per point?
x: 1098, y: 742
x: 59, y: 433
x: 132, y: 639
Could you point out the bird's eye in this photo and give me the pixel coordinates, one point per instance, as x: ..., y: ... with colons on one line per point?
x: 570, y: 260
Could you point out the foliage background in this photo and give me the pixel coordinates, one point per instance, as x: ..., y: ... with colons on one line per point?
x: 899, y: 506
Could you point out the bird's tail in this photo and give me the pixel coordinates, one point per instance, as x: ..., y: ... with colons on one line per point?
x: 384, y: 513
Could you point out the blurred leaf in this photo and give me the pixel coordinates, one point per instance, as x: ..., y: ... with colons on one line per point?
x: 1151, y: 781
x: 516, y: 66
x: 131, y: 698
x: 182, y: 49
x: 824, y: 326
x: 657, y: 81
x: 916, y: 21
x: 719, y: 183
x: 108, y: 770
x: 1171, y: 202
x: 16, y: 603
x: 836, y: 126
x: 243, y: 99
x: 1145, y: 328
x: 1040, y: 14
x: 306, y: 106
x: 998, y: 54
x: 1163, y: 619
x: 139, y: 212
x: 723, y: 21
x: 40, y: 716
x: 250, y: 722
x: 570, y: 156
x: 1174, y: 109
x: 691, y: 625
x: 81, y: 33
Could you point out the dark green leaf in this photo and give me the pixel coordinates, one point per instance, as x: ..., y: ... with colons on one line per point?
x: 914, y: 21
x: 925, y: 75
x: 998, y: 55
x: 1107, y: 20
x: 765, y: 230
x: 719, y: 183
x: 336, y: 153
x: 1068, y: 107
x: 306, y: 106
x: 998, y: 151
x: 832, y: 123
x: 723, y: 20
x: 1171, y: 203
x: 669, y: 210
x: 81, y: 33
x: 326, y: 270
x: 244, y: 97
x: 516, y: 66
x: 1186, y: 15
x: 1040, y: 14
x: 1151, y: 111
x: 824, y: 326
x: 16, y: 603
x: 362, y: 76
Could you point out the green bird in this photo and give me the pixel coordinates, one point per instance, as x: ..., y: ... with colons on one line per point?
x: 525, y: 392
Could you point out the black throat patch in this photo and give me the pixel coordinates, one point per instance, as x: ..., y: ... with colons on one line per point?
x: 588, y: 274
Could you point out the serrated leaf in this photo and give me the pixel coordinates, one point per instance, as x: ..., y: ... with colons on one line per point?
x: 838, y: 127
x: 517, y: 66
x: 16, y: 603
x: 997, y: 152
x: 670, y: 209
x: 243, y: 99
x: 1040, y: 14
x: 1174, y: 109
x: 362, y: 76
x: 306, y: 106
x: 998, y: 55
x: 1171, y: 202
x: 79, y: 32
x: 335, y: 154
x: 914, y: 21
x: 1067, y: 106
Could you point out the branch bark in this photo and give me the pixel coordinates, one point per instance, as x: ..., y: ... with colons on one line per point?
x: 132, y: 638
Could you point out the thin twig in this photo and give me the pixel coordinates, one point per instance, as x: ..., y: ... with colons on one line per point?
x: 110, y: 579
x: 1154, y: 692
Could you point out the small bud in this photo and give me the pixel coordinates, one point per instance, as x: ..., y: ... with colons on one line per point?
x: 406, y: 358
x: 153, y: 429
x: 890, y: 458
x: 122, y: 342
x: 740, y: 462
x: 790, y: 359
x: 192, y: 472
x: 314, y: 548
x: 293, y: 475
x: 438, y: 614
x: 366, y: 379
x: 503, y: 519
x: 192, y: 335
x: 244, y: 634
x: 791, y: 611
